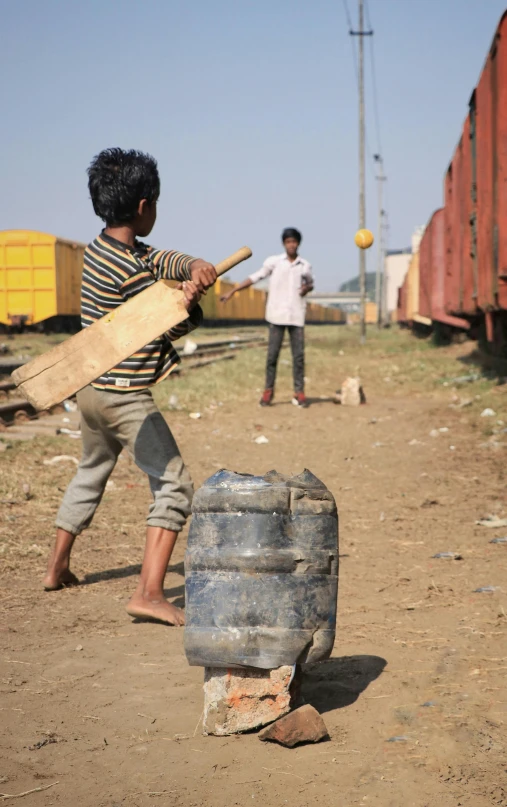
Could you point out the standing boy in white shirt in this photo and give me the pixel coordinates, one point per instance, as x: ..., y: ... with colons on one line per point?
x: 290, y: 280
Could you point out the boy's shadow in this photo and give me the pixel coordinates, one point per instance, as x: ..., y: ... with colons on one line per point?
x: 311, y: 401
x: 338, y: 682
x: 125, y: 571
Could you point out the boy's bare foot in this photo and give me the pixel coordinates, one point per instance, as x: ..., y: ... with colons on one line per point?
x: 141, y: 606
x: 55, y: 580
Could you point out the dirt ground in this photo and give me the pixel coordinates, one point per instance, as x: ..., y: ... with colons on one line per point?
x: 102, y: 711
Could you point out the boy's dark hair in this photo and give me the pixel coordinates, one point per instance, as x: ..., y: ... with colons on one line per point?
x: 291, y: 232
x: 118, y: 180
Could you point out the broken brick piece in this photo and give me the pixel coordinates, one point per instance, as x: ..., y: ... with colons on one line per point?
x: 304, y: 725
x: 237, y: 700
x: 351, y: 393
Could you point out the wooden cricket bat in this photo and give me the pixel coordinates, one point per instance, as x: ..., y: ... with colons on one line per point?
x: 61, y: 372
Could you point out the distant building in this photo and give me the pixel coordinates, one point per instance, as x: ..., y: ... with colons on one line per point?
x: 395, y: 268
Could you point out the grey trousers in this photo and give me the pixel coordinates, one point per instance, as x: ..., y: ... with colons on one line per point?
x: 297, y: 345
x: 113, y: 421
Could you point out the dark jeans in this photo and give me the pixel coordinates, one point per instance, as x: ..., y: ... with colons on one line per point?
x: 297, y: 345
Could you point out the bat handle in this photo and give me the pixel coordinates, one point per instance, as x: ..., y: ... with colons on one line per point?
x: 237, y: 257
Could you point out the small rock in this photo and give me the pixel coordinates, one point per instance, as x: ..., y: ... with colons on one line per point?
x: 488, y: 413
x: 173, y: 402
x: 492, y: 521
x: 499, y: 541
x: 75, y: 434
x: 398, y: 739
x: 61, y: 458
x: 304, y: 725
x: 261, y: 440
x: 434, y: 433
x: 79, y: 648
x: 443, y: 430
x: 70, y: 406
x: 464, y: 379
x: 448, y: 555
x: 189, y: 347
x: 195, y: 415
x: 486, y: 589
x: 351, y: 393
x: 26, y: 491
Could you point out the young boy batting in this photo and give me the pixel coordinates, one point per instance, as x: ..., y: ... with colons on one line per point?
x: 117, y: 409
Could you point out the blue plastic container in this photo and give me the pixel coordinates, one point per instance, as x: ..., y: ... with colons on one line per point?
x: 261, y: 571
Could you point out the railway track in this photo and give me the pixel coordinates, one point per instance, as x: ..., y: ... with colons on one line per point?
x: 15, y: 411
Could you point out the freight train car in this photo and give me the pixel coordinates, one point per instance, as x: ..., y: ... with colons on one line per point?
x: 433, y: 275
x: 248, y: 308
x: 463, y: 273
x: 40, y: 279
x: 408, y: 297
x: 40, y: 286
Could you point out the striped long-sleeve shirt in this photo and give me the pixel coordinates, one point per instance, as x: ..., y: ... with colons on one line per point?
x: 113, y: 273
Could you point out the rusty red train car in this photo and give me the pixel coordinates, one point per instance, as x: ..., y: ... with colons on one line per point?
x: 463, y: 258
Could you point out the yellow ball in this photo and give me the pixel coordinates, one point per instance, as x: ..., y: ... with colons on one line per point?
x: 363, y: 239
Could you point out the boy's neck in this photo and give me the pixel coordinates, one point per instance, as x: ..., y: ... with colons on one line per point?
x: 296, y: 256
x: 125, y: 234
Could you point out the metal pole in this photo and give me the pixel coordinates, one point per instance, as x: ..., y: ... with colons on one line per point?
x: 380, y: 237
x: 362, y: 195
x: 385, y: 242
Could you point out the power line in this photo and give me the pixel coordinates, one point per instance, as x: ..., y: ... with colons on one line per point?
x: 356, y: 71
x: 374, y: 82
x: 352, y: 40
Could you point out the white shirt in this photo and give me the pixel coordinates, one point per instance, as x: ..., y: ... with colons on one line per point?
x: 285, y: 306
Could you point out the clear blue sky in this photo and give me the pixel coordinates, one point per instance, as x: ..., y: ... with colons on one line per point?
x: 250, y: 107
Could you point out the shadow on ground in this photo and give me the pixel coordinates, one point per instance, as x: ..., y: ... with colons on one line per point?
x: 338, y: 682
x: 492, y: 368
x: 122, y: 572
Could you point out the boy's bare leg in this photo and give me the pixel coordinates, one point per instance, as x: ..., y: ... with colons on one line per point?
x: 148, y: 601
x: 58, y: 574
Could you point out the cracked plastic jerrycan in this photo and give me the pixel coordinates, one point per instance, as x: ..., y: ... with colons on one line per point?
x: 261, y: 571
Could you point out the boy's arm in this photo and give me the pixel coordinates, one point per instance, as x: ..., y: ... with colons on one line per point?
x: 195, y: 313
x: 307, y: 284
x: 262, y: 273
x: 193, y: 321
x: 173, y: 265
x: 138, y: 281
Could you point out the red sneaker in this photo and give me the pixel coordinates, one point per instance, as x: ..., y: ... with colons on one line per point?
x: 267, y: 397
x: 300, y: 399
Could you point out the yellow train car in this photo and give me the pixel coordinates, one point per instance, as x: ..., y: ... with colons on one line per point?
x: 250, y: 306
x: 40, y: 277
x: 370, y: 315
x: 40, y: 282
x: 413, y: 291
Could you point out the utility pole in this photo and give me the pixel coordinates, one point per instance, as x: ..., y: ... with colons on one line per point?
x: 379, y: 279
x: 385, y: 242
x: 362, y: 194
